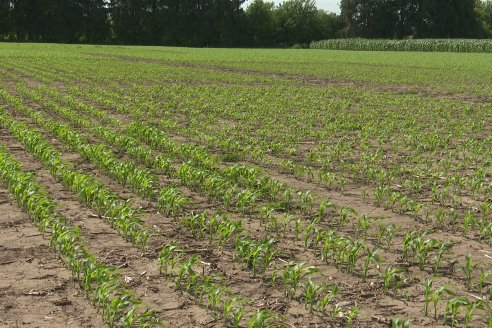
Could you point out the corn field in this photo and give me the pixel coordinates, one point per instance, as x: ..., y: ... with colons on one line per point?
x: 432, y: 45
x: 168, y: 187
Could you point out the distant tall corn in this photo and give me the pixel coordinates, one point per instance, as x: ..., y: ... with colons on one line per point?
x: 436, y: 45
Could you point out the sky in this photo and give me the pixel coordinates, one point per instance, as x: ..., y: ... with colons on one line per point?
x: 328, y: 5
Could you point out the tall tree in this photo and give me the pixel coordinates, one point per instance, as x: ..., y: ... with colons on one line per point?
x: 127, y: 18
x: 5, y: 18
x: 415, y: 18
x: 484, y: 12
x: 295, y: 22
x: 96, y: 26
x: 260, y: 23
x: 328, y: 25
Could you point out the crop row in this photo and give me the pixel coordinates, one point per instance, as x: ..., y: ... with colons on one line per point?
x: 101, y: 284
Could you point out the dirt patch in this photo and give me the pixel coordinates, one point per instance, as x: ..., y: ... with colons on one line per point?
x: 36, y: 290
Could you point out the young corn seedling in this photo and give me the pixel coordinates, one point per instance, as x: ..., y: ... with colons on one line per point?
x: 186, y: 270
x: 400, y: 323
x: 371, y: 257
x: 266, y: 214
x: 364, y: 225
x: 228, y: 306
x: 351, y: 315
x: 323, y: 206
x: 483, y: 277
x: 344, y: 215
x: 453, y: 307
x: 392, y: 277
x: 335, y: 311
x: 169, y: 257
x: 265, y: 318
x: 309, y: 231
x: 386, y: 234
x: 255, y: 254
x: 353, y: 254
x: 468, y: 270
x: 468, y: 222
x: 306, y: 201
x: 423, y: 249
x: 297, y: 229
x: 237, y: 316
x: 325, y: 300
x: 437, y: 295
x: 427, y: 294
x: 443, y: 248
x: 245, y: 200
x: 471, y: 309
x: 171, y: 201
x: 293, y: 274
x: 310, y: 293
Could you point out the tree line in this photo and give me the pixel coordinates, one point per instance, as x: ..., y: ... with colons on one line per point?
x: 397, y: 19
x: 229, y: 23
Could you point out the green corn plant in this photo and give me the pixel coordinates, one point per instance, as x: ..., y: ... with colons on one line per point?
x: 186, y: 270
x: 319, y: 236
x: 245, y: 200
x: 298, y: 228
x: 468, y: 222
x: 335, y: 311
x: 326, y: 299
x: 408, y: 242
x: 214, y: 296
x: 171, y: 201
x: 226, y: 230
x: 427, y: 294
x: 379, y: 194
x: 344, y: 215
x: 386, y: 233
x: 364, y: 224
x: 309, y: 231
x: 169, y: 257
x: 351, y: 315
x: 400, y: 323
x: 472, y: 306
x: 293, y: 274
x: 306, y: 201
x: 310, y: 293
x: 452, y: 309
x: 265, y: 318
x: 443, y: 248
x: 423, y: 251
x: 371, y: 257
x: 392, y: 276
x: 228, y: 306
x: 353, y: 254
x: 483, y: 277
x: 437, y: 295
x: 325, y: 204
x: 237, y: 316
x: 287, y: 198
x: 468, y: 270
x: 255, y: 254
x: 266, y: 214
x: 269, y: 253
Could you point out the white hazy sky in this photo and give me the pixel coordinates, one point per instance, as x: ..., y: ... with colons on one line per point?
x: 328, y: 5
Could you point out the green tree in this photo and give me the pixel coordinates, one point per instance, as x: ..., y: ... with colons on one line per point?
x: 96, y: 26
x: 260, y: 23
x: 484, y: 12
x: 410, y: 18
x: 328, y: 25
x: 296, y: 22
